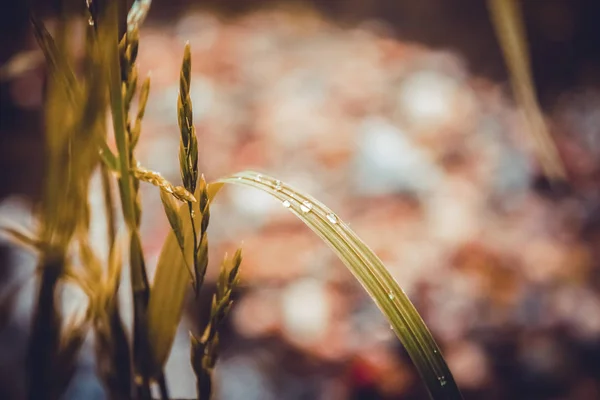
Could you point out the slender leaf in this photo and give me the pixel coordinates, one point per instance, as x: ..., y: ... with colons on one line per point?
x: 171, y: 281
x: 360, y: 260
x: 508, y: 23
x: 370, y: 272
x: 171, y: 210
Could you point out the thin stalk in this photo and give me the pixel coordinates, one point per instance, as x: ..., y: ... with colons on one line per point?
x: 139, y: 279
x: 508, y: 23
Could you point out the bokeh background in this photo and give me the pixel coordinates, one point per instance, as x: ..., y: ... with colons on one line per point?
x: 398, y: 115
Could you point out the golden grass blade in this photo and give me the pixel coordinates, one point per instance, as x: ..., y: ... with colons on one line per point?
x: 171, y: 210
x: 508, y: 23
x: 170, y: 284
x: 172, y: 279
x: 173, y: 274
x: 370, y: 272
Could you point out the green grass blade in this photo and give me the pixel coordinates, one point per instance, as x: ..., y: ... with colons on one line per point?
x: 172, y: 278
x: 370, y: 272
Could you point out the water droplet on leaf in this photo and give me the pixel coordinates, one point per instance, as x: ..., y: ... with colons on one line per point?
x: 306, y: 206
x: 286, y: 204
x: 442, y: 380
x: 278, y: 185
x: 391, y: 295
x: 258, y: 178
x: 332, y: 218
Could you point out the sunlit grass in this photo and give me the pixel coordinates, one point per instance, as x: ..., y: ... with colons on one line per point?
x: 76, y: 136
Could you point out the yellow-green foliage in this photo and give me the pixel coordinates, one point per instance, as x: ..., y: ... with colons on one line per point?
x: 76, y: 134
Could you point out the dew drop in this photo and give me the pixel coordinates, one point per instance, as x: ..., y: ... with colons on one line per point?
x: 442, y: 380
x: 239, y: 178
x: 332, y: 218
x: 391, y: 295
x: 258, y: 178
x: 306, y: 206
x: 278, y: 185
x: 286, y: 204
x: 91, y: 21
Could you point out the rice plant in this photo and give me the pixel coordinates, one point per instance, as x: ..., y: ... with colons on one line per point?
x: 77, y: 102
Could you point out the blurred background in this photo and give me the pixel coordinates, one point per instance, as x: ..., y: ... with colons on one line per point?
x: 398, y: 115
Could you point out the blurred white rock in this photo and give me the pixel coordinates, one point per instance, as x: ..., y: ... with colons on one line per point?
x: 388, y: 162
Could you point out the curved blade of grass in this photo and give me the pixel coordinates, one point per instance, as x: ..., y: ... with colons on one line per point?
x: 370, y: 272
x: 172, y: 279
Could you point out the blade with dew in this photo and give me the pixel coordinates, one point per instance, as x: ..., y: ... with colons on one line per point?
x: 370, y: 272
x: 172, y: 279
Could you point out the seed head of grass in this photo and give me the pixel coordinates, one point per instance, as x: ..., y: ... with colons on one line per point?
x: 204, y: 350
x: 188, y: 150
